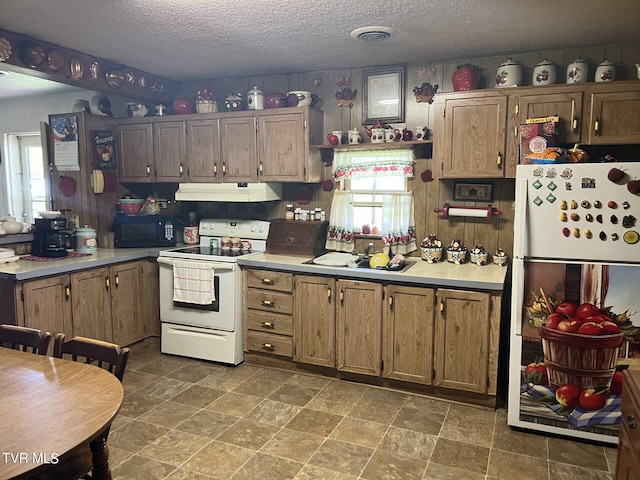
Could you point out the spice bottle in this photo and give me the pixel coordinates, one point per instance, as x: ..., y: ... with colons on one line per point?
x: 288, y: 214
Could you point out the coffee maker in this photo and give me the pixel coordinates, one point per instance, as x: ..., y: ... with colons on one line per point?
x: 49, y: 237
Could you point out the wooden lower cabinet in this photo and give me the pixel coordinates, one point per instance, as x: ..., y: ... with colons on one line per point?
x: 461, y: 343
x: 628, y: 465
x: 150, y: 295
x: 46, y: 304
x: 102, y: 303
x: 268, y: 312
x: 407, y: 340
x: 315, y: 320
x: 359, y: 327
x: 91, y: 304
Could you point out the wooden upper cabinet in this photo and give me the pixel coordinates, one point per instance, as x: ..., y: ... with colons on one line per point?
x: 461, y: 343
x: 135, y: 159
x: 239, y: 149
x: 203, y: 151
x: 474, y: 137
x: 169, y: 152
x: 614, y: 115
x: 281, y: 147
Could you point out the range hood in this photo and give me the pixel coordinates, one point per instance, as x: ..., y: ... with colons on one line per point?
x: 229, y: 192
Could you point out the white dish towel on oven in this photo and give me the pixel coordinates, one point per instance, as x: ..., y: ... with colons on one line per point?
x: 193, y: 282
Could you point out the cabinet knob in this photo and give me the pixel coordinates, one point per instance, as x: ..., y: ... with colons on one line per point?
x: 390, y: 301
x: 268, y: 303
x: 117, y: 281
x: 181, y: 169
x: 574, y: 125
x: 269, y: 325
x: 215, y: 169
x: 596, y: 126
x: 268, y: 346
x: 267, y: 281
x: 499, y: 160
x: 224, y: 169
x: 148, y: 169
x: 107, y: 283
x: 329, y: 294
x: 631, y: 420
x: 260, y: 168
x: 67, y: 291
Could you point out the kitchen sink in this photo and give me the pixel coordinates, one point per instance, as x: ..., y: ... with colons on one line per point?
x: 361, y: 262
x: 364, y: 263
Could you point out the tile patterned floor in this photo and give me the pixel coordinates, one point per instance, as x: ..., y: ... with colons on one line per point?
x: 185, y: 419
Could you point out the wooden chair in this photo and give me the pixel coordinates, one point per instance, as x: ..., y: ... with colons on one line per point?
x: 89, y: 458
x: 25, y: 339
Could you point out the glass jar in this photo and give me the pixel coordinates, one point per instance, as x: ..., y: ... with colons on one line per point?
x: 288, y: 213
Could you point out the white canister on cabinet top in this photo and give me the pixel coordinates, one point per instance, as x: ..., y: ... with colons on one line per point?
x: 577, y: 71
x: 509, y: 74
x: 255, y: 99
x: 86, y: 239
x: 544, y: 73
x: 605, y: 72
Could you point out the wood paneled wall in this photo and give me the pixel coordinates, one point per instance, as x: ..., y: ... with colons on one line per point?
x: 497, y: 233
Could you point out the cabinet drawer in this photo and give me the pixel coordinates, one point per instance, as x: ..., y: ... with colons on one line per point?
x: 264, y: 279
x: 269, y: 301
x: 270, y: 322
x: 270, y: 343
x: 631, y: 411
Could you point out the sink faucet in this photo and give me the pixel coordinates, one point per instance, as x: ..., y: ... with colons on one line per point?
x: 368, y: 249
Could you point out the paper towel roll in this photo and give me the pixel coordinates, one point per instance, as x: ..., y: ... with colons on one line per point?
x: 467, y: 212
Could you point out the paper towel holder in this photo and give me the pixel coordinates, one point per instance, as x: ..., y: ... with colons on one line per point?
x: 463, y: 211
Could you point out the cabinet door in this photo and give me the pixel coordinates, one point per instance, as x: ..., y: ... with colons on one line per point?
x: 614, y: 118
x: 628, y: 464
x: 461, y: 340
x: 47, y: 305
x: 91, y: 304
x: 314, y: 320
x: 136, y: 152
x: 126, y: 289
x: 359, y: 327
x: 407, y: 342
x: 150, y: 295
x: 203, y: 151
x: 239, y: 149
x: 169, y: 152
x: 474, y: 137
x: 281, y: 147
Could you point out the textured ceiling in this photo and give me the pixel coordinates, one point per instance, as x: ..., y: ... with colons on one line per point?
x: 205, y: 39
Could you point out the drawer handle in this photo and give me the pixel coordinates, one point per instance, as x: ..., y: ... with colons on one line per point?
x: 267, y: 281
x: 269, y: 325
x: 596, y: 127
x: 631, y: 421
x: 268, y: 346
x: 574, y: 125
x: 268, y: 303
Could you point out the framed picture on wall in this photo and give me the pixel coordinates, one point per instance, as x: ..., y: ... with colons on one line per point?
x: 383, y: 95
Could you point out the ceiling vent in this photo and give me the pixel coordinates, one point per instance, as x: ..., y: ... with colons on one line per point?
x: 372, y: 34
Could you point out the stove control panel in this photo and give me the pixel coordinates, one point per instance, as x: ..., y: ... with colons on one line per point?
x: 250, y: 229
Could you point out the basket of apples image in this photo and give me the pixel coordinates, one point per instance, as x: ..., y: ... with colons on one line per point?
x: 581, y: 344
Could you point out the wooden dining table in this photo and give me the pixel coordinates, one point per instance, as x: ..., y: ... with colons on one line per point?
x: 49, y: 408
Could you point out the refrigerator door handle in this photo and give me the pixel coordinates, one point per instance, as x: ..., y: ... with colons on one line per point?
x: 517, y: 296
x: 519, y: 235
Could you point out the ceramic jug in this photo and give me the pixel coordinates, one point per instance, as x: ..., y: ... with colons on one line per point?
x: 255, y: 99
x: 354, y: 137
x: 577, y: 71
x: 509, y: 74
x: 605, y: 72
x: 544, y: 73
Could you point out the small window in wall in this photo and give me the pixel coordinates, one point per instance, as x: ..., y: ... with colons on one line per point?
x: 27, y: 177
x: 368, y: 195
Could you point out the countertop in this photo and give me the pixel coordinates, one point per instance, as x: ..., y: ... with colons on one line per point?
x: 28, y: 270
x: 444, y: 274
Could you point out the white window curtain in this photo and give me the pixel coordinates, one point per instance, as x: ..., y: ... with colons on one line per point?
x: 398, y: 225
x: 340, y: 235
x: 367, y: 163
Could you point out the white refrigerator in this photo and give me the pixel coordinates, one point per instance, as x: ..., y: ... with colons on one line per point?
x: 576, y: 256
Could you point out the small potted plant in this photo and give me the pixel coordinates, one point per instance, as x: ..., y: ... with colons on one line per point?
x: 206, y: 101
x: 425, y: 92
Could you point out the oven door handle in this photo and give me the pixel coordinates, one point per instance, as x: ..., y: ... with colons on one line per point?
x: 215, y: 265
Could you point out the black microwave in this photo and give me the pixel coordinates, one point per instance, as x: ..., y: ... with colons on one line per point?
x: 144, y: 231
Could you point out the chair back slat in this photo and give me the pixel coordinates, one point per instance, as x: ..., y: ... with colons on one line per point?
x: 105, y: 355
x: 25, y: 339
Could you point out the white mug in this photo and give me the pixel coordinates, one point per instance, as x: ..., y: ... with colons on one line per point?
x: 422, y: 133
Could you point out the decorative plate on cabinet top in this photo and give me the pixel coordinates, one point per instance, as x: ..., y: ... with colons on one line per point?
x: 75, y: 67
x: 5, y: 49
